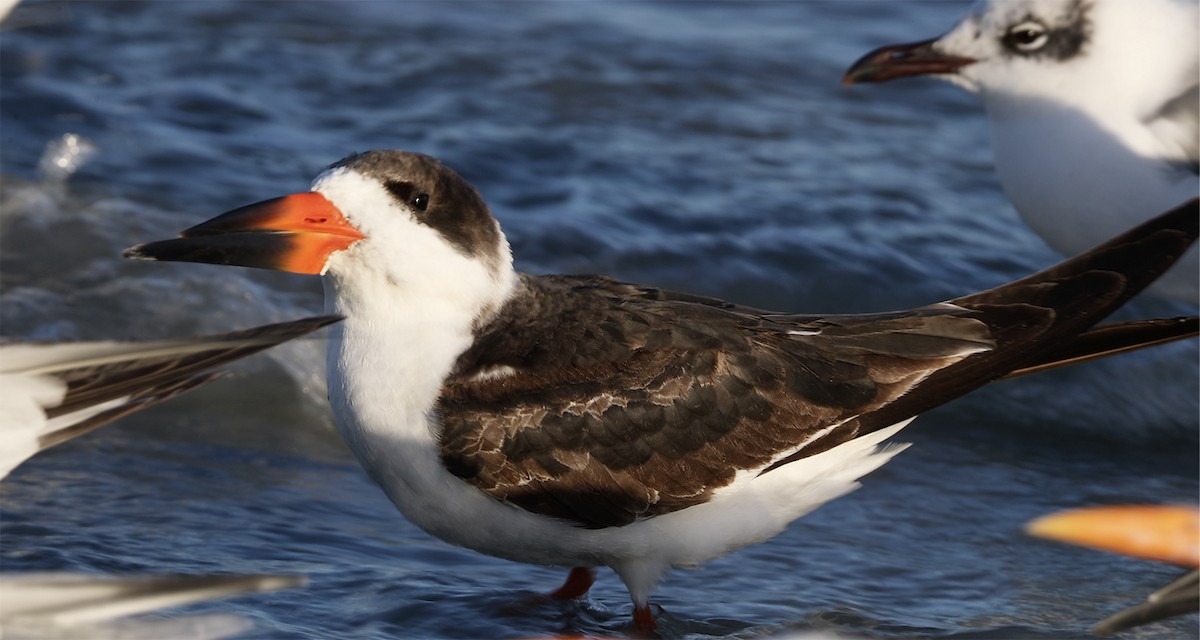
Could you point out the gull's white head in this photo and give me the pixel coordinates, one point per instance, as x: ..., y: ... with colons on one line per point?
x: 1092, y: 55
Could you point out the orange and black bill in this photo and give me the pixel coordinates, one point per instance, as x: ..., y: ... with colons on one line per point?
x: 902, y: 60
x: 294, y: 233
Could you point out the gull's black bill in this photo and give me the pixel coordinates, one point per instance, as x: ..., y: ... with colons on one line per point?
x: 901, y: 60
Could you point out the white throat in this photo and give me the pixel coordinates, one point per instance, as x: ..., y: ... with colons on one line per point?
x: 389, y: 358
x: 386, y: 363
x: 411, y: 300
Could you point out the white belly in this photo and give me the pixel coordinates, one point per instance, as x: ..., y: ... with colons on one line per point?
x: 1078, y: 186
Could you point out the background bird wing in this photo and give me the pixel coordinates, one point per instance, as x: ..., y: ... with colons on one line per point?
x: 106, y: 380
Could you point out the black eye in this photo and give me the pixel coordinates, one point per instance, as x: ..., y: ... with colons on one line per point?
x: 420, y: 201
x: 1026, y: 37
x: 407, y: 192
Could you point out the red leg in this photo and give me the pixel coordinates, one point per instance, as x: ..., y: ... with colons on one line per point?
x: 643, y: 620
x: 577, y: 584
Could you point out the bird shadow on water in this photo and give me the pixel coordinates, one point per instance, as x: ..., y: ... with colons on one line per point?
x: 502, y: 614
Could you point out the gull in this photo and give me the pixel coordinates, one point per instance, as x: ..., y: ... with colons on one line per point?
x: 579, y: 421
x: 1163, y: 533
x: 1094, y: 110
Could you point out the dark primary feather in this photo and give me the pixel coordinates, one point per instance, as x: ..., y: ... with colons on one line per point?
x: 93, y: 384
x: 143, y: 398
x: 150, y: 379
x: 626, y: 402
x: 1036, y: 315
x: 1112, y: 339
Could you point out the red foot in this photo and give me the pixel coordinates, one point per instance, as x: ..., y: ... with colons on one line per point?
x: 577, y: 584
x: 643, y: 620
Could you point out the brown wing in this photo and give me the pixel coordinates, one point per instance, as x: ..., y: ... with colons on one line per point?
x: 625, y: 404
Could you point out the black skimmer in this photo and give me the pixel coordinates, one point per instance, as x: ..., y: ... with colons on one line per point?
x: 1162, y: 533
x: 52, y: 392
x: 1094, y: 110
x: 580, y: 421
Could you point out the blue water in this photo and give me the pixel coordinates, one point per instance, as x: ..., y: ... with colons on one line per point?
x: 698, y: 146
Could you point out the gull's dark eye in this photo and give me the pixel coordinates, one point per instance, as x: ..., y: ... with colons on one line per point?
x: 1026, y: 37
x: 420, y: 201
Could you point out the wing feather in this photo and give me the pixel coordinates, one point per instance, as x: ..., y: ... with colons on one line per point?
x: 652, y: 401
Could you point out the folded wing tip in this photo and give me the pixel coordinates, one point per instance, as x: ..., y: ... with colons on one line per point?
x: 138, y: 252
